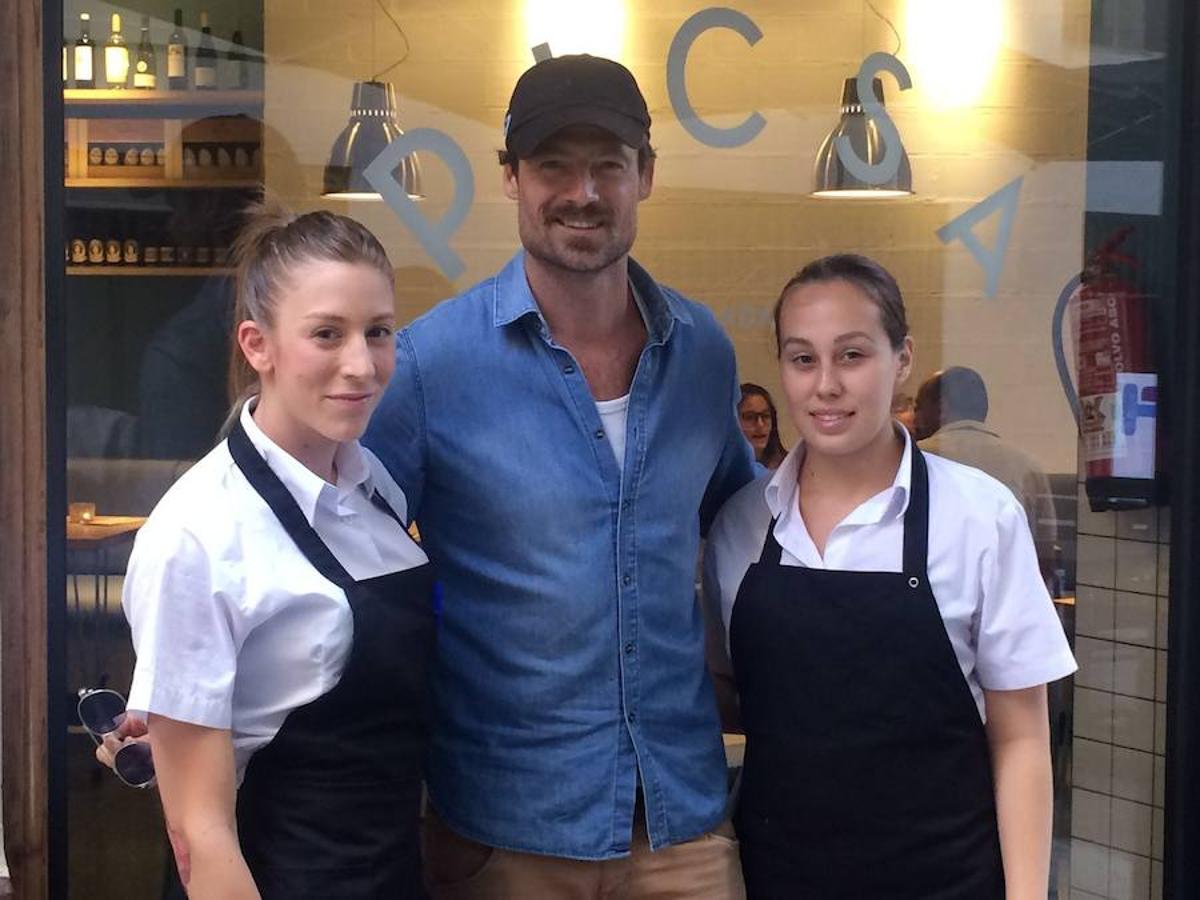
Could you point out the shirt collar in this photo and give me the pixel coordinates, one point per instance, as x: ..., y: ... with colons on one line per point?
x: 967, y: 425
x: 512, y: 299
x: 891, y: 502
x: 306, y: 486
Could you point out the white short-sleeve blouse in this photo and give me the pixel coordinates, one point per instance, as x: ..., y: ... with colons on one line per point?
x: 232, y: 626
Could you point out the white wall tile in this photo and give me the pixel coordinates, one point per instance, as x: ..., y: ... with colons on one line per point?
x: 1160, y: 677
x: 1077, y: 894
x: 1091, y: 816
x: 1096, y: 663
x: 1132, y: 827
x: 1163, y: 621
x: 1134, y: 673
x: 1164, y: 569
x: 1164, y: 524
x: 1128, y: 876
x: 1135, y: 617
x: 1133, y: 775
x: 1160, y: 728
x: 1160, y: 780
x: 1133, y: 723
x: 1102, y: 523
x: 1095, y: 612
x: 1138, y: 524
x: 1156, y: 880
x: 1159, y: 824
x: 1089, y: 868
x: 1097, y: 561
x: 1094, y: 715
x: 1091, y: 766
x: 1137, y: 566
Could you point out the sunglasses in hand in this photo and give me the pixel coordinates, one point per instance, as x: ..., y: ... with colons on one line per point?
x: 100, y: 712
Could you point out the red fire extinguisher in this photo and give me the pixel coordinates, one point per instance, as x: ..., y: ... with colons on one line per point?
x: 1117, y: 385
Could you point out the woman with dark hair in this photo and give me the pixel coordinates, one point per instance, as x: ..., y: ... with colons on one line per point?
x: 891, y: 635
x: 760, y: 425
x: 282, y: 616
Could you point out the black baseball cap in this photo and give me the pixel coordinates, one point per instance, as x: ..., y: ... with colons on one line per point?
x: 574, y: 90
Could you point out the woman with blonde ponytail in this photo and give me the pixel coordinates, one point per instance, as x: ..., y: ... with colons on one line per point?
x: 281, y: 614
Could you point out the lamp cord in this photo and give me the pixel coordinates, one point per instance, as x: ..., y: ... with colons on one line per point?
x: 888, y: 22
x: 407, y: 45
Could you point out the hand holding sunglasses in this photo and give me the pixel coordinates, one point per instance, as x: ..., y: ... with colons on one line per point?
x: 101, y: 713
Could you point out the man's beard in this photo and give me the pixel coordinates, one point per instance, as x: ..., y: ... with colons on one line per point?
x: 582, y: 254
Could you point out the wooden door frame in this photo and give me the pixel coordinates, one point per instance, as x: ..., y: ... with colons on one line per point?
x: 30, y: 121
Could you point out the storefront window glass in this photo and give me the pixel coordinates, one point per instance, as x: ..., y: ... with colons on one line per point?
x: 1016, y: 191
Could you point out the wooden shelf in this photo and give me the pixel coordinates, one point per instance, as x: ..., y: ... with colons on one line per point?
x: 83, y: 103
x: 192, y: 183
x: 150, y: 271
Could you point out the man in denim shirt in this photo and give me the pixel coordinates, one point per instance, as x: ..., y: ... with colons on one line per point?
x: 563, y: 432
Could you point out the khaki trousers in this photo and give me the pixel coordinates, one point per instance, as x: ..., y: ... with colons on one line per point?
x: 707, y: 868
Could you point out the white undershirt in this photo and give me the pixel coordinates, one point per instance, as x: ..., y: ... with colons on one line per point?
x: 232, y: 625
x: 612, y: 417
x: 982, y: 565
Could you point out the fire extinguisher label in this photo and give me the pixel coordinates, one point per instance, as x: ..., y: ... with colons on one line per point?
x: 1095, y: 412
x: 1135, y: 412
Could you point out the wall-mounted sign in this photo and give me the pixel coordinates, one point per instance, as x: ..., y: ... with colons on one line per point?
x: 962, y: 228
x: 885, y: 170
x: 681, y: 46
x: 434, y: 236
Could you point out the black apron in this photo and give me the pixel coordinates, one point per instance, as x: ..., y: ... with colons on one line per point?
x: 867, y: 773
x: 330, y: 807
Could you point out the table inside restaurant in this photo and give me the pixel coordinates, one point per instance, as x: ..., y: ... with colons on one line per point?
x: 90, y: 554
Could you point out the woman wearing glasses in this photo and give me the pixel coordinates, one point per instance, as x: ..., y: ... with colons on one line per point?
x: 891, y: 635
x: 760, y: 425
x: 281, y: 614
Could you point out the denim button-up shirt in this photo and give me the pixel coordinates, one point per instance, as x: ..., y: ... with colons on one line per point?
x: 571, y: 650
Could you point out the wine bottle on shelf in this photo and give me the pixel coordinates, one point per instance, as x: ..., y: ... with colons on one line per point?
x: 95, y: 243
x: 177, y: 78
x: 239, y: 64
x: 116, y: 56
x: 149, y: 244
x: 204, y: 73
x: 131, y: 248
x: 166, y: 242
x: 85, y: 54
x: 145, y: 67
x: 79, y: 253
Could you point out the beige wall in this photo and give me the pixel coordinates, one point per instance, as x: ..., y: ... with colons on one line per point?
x: 729, y: 226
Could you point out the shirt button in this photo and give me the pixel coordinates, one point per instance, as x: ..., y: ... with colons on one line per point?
x: 632, y: 717
x: 599, y: 434
x: 568, y: 370
x: 627, y: 580
x: 629, y: 647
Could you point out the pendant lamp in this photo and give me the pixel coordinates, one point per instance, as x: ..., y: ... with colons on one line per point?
x: 371, y: 128
x: 832, y: 179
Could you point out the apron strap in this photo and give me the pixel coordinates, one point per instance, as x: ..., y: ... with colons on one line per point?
x: 382, y: 505
x: 771, y: 551
x: 916, y: 519
x: 285, y: 507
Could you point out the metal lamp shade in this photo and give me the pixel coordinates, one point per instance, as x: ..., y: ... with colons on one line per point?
x: 832, y: 179
x: 371, y: 128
